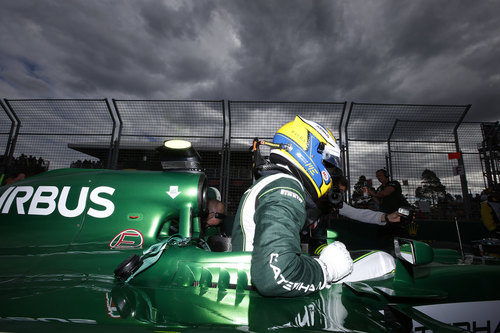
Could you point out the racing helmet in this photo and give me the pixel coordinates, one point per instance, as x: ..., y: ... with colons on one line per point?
x: 312, y: 151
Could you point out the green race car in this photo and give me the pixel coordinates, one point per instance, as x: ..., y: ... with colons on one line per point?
x: 66, y: 233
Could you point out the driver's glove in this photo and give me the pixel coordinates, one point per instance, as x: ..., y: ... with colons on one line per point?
x: 335, y: 261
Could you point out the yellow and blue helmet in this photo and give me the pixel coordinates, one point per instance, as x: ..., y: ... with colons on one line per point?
x: 310, y: 148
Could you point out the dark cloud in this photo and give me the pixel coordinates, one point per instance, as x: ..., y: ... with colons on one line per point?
x: 182, y: 21
x: 425, y: 52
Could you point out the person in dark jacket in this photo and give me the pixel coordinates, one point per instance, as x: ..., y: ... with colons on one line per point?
x: 389, y: 198
x: 388, y: 194
x: 272, y: 213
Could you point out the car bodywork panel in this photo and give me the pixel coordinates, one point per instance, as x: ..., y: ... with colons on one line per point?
x: 64, y: 233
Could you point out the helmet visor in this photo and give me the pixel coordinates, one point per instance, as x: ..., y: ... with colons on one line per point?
x: 331, y: 160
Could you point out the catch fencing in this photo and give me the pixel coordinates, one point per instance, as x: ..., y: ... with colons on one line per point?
x: 124, y: 134
x: 406, y: 140
x: 56, y: 129
x: 146, y: 124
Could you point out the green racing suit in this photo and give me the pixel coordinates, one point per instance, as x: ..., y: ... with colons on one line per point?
x: 268, y: 222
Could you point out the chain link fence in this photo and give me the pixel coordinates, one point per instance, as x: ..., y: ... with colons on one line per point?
x: 146, y: 124
x: 53, y: 134
x: 124, y: 134
x: 406, y: 140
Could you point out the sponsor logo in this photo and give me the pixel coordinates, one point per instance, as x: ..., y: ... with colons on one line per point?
x: 47, y: 199
x: 127, y: 239
x: 473, y: 326
x: 412, y: 228
x: 111, y: 307
x: 283, y: 282
x: 325, y: 176
x: 302, y: 158
x: 311, y: 169
x: 471, y: 316
x: 291, y: 194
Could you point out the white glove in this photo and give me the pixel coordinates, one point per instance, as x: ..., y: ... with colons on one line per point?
x: 335, y: 261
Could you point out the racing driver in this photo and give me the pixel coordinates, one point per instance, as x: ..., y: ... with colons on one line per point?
x: 272, y: 213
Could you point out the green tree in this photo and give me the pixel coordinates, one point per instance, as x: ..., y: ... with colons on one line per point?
x: 431, y: 187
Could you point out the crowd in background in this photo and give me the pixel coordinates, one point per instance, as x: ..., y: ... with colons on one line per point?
x: 21, y: 167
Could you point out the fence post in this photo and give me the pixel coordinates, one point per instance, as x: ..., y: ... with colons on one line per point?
x: 389, y: 157
x: 11, y: 132
x: 226, y: 163
x: 463, y: 177
x: 115, y: 142
x: 347, y: 170
x: 16, y: 132
x: 6, y: 156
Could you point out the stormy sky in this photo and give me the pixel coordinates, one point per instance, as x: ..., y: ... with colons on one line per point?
x: 422, y: 52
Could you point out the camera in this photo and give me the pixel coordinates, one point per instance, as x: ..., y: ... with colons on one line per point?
x: 336, y: 198
x: 407, y: 213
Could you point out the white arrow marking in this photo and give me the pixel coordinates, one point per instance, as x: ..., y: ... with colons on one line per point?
x: 174, y: 191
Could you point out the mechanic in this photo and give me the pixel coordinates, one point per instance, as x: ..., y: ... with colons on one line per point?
x: 390, y: 198
x: 388, y: 194
x: 218, y: 221
x: 216, y: 215
x: 272, y: 213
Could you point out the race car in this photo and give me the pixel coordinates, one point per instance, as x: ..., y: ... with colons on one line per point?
x: 94, y: 249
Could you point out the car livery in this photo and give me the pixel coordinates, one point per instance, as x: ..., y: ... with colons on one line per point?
x: 44, y: 200
x: 80, y: 209
x: 66, y: 233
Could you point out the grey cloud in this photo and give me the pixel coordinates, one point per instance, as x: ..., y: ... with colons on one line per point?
x: 425, y: 52
x: 183, y: 22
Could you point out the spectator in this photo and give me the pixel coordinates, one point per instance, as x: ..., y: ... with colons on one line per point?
x: 490, y: 212
x: 15, y: 177
x: 23, y: 167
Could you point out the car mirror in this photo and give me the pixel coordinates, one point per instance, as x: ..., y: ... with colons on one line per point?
x: 413, y: 252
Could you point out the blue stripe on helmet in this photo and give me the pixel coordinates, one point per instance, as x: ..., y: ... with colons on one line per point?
x: 310, y: 160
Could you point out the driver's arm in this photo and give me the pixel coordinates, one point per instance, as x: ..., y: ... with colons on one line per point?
x: 279, y: 268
